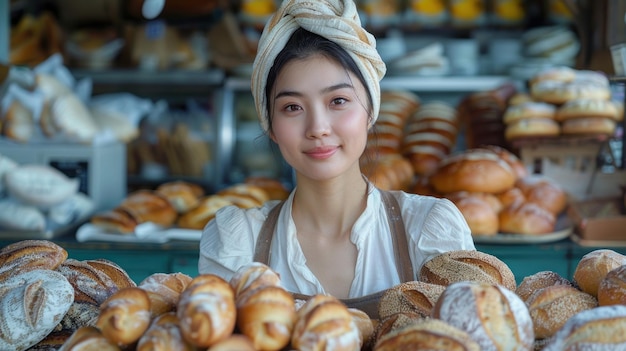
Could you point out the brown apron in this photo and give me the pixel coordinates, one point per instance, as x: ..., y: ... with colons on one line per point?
x: 368, y: 303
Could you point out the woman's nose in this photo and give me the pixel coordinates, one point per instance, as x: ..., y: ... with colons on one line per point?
x: 318, y: 124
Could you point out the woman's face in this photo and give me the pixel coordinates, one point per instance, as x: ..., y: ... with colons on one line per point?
x: 319, y: 117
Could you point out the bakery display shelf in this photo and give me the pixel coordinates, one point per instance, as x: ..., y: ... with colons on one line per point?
x: 149, y: 234
x: 597, y: 243
x: 563, y: 229
x: 47, y: 234
x: 210, y: 77
x: 561, y: 140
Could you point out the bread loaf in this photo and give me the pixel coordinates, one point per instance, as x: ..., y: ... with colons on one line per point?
x: 467, y: 265
x: 552, y: 306
x: 164, y: 291
x: 526, y: 218
x: 600, y: 328
x: 235, y: 342
x: 206, y: 310
x: 163, y: 334
x: 124, y: 316
x: 612, y: 288
x: 493, y: 315
x: 364, y: 323
x: 39, y: 185
x: 116, y: 221
x: 393, y: 322
x: 184, y: 196
x: 544, y: 192
x: 538, y: 281
x: 32, y: 304
x: 427, y: 334
x: 198, y: 217
x: 28, y: 255
x: 88, y: 338
x: 594, y: 266
x: 415, y: 296
x: 252, y: 276
x: 324, y: 323
x: 149, y: 206
x: 479, y: 213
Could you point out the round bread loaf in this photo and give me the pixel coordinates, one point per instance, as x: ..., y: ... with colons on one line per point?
x: 163, y: 334
x: 427, y: 334
x: 529, y: 128
x: 473, y: 170
x: 538, y: 281
x: 467, y: 265
x: 509, y: 157
x: 552, y: 306
x: 414, y: 296
x: 28, y: 255
x: 324, y: 322
x: 582, y: 108
x: 612, y: 289
x: 594, y: 266
x: 480, y: 211
x: 494, y: 316
x: 32, y: 304
x: 544, y: 192
x: 528, y: 110
x: 513, y: 196
x: 526, y: 218
x: 589, y: 125
x: 557, y: 73
x: 149, y: 206
x: 600, y: 328
x: 125, y: 316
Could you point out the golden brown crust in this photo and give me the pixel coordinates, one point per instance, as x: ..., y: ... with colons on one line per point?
x: 148, y: 206
x: 202, y: 214
x: 163, y: 334
x: 164, y: 290
x: 589, y: 126
x: 235, y: 342
x: 427, y: 334
x: 529, y: 128
x: 594, y: 266
x: 552, y: 306
x: 544, y: 192
x: 480, y: 211
x: 184, y: 196
x: 526, y: 218
x: 390, y: 323
x: 88, y: 338
x: 115, y: 221
x: 538, y: 281
x: 467, y: 265
x: 612, y: 288
x: 125, y: 316
x: 27, y: 255
x: 415, y: 296
x: 251, y: 195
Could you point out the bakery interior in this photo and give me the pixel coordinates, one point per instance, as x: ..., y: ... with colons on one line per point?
x: 125, y: 125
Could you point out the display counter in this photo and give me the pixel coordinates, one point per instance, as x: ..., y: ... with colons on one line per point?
x: 143, y: 259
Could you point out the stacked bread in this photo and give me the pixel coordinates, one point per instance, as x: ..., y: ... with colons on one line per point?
x: 184, y: 205
x: 564, y: 101
x: 493, y: 191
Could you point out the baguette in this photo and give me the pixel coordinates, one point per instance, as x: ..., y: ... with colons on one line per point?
x: 27, y: 255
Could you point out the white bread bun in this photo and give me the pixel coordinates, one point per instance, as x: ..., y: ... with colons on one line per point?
x: 593, y: 268
x: 72, y: 118
x: 18, y: 216
x: 40, y: 185
x: 50, y: 86
x: 32, y: 304
x: 526, y: 218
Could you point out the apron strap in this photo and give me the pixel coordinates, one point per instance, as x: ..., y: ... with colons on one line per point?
x: 369, y: 303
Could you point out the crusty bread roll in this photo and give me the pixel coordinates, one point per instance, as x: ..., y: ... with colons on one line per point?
x: 235, y: 342
x: 513, y: 196
x: 184, y: 196
x: 393, y: 322
x: 198, y: 217
x: 544, y: 192
x: 364, y: 323
x: 266, y: 312
x: 149, y: 206
x: 528, y: 110
x: 116, y: 221
x: 163, y: 334
x: 164, y: 291
x: 478, y: 211
x: 427, y: 334
x: 535, y: 282
x: 28, y: 255
x: 125, y: 316
x: 526, y: 218
x: 473, y: 170
x: 467, y: 265
x: 414, y: 296
x: 40, y: 185
x: 88, y: 338
x: 600, y: 328
x: 530, y: 128
x: 32, y: 304
x: 18, y: 123
x: 250, y: 195
x: 206, y: 310
x: 324, y: 323
x: 509, y: 157
x: 552, y: 306
x: 594, y: 266
x: 494, y: 316
x: 612, y: 288
x: 589, y: 125
x: 582, y: 108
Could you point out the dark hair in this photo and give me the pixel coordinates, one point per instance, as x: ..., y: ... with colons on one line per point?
x: 303, y: 44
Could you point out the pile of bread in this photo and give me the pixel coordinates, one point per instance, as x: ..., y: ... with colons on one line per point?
x: 495, y: 193
x: 466, y: 299
x: 37, y: 198
x: 184, y: 204
x: 410, y: 138
x: 563, y: 101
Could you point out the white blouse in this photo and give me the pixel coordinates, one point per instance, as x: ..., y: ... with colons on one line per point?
x: 432, y: 225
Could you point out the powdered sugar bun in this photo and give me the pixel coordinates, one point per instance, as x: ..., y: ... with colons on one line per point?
x: 598, y: 329
x: 595, y: 77
x: 589, y: 125
x: 528, y: 110
x: 552, y: 306
x: 558, y: 93
x: 594, y: 266
x: 473, y: 170
x: 534, y: 127
x: 612, y: 288
x: 535, y: 282
x: 558, y: 73
x: 581, y: 108
x: 493, y: 315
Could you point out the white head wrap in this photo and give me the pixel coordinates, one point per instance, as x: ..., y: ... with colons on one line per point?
x: 335, y: 20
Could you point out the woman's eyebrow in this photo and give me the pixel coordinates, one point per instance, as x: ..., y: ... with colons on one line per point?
x: 325, y: 90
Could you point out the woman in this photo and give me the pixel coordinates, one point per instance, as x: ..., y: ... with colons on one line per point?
x: 316, y: 88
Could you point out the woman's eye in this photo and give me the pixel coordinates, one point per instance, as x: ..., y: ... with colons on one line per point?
x: 291, y: 108
x: 339, y: 101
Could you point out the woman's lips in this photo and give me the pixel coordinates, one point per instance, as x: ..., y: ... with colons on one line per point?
x: 321, y: 152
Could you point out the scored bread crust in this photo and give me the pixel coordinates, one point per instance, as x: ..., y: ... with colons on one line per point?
x: 414, y: 296
x: 27, y: 255
x: 427, y: 334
